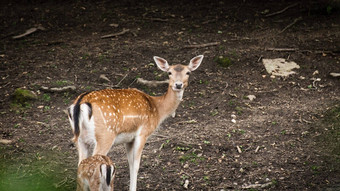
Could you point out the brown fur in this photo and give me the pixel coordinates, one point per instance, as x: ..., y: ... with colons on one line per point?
x: 89, y: 171
x: 130, y: 116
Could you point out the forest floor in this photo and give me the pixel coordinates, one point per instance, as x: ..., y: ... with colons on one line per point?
x: 287, y: 138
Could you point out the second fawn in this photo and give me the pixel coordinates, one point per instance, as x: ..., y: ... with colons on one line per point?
x: 108, y: 117
x: 96, y: 173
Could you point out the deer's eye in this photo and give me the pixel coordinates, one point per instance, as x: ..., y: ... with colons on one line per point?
x: 169, y: 73
x: 188, y: 73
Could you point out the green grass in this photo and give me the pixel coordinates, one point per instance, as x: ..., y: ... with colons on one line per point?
x: 46, y: 97
x: 22, y: 171
x: 191, y: 156
x: 331, y: 137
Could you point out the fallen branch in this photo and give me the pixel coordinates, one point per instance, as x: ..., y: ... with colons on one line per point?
x: 282, y: 49
x: 152, y: 83
x: 209, y: 21
x: 117, y: 85
x: 62, y: 89
x: 202, y: 45
x: 116, y: 34
x: 335, y: 74
x: 158, y: 19
x: 5, y: 141
x: 291, y: 24
x: 333, y: 52
x: 29, y: 31
x: 281, y: 11
x: 254, y: 186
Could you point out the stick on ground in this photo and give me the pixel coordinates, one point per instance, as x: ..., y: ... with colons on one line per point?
x: 202, y: 45
x: 29, y: 31
x: 116, y: 34
x: 61, y: 89
x: 291, y: 24
x: 281, y: 11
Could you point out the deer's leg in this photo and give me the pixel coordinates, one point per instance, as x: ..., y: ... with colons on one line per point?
x: 103, y: 144
x: 83, y: 150
x: 134, y: 153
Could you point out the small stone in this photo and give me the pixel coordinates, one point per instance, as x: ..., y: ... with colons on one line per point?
x: 186, y: 184
x: 5, y: 141
x: 251, y: 97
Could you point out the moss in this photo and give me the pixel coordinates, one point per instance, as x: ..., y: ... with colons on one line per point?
x: 223, y: 61
x: 332, y: 137
x: 22, y: 97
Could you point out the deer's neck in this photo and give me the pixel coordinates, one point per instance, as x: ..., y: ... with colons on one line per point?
x: 168, y: 103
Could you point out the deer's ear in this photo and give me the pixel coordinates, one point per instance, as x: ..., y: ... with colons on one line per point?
x: 161, y: 63
x: 195, y: 62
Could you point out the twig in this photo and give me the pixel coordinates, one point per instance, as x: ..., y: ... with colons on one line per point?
x: 281, y: 11
x: 158, y: 140
x: 333, y: 52
x: 209, y: 21
x: 335, y: 74
x: 257, y: 149
x: 29, y: 31
x: 161, y: 136
x: 158, y: 19
x: 202, y: 45
x: 132, y: 82
x: 151, y: 83
x: 116, y: 34
x: 59, y: 184
x: 62, y: 89
x: 239, y: 149
x: 254, y: 186
x: 291, y: 24
x: 282, y: 49
x: 117, y: 85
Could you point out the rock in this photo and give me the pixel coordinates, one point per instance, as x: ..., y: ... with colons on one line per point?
x: 186, y: 184
x: 22, y: 96
x: 251, y: 97
x: 279, y: 67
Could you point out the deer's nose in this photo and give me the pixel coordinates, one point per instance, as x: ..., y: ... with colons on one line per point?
x: 178, y: 85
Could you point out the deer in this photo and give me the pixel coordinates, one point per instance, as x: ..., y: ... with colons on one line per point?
x: 103, y: 118
x: 96, y: 173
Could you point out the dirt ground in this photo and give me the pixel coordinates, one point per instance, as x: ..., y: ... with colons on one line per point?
x: 280, y: 140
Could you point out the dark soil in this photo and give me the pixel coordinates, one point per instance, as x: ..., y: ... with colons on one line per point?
x: 282, y: 140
